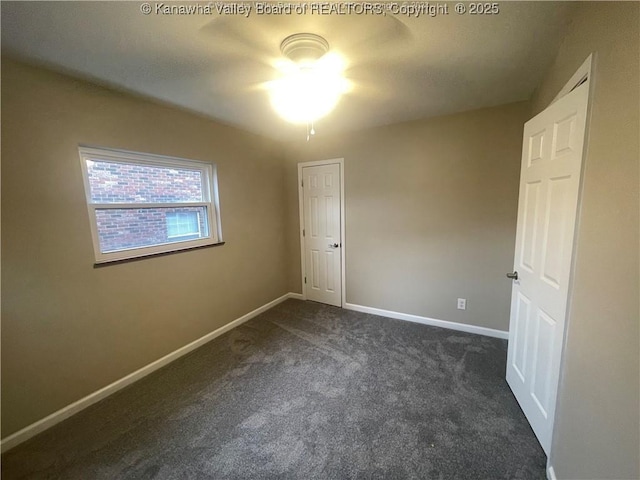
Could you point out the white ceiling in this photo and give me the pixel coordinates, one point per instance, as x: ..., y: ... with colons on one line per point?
x: 402, y: 68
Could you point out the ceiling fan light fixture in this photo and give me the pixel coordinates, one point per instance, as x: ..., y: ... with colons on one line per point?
x: 307, y: 95
x: 311, y: 83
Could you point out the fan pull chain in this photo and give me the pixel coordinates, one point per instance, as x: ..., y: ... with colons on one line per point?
x: 310, y: 130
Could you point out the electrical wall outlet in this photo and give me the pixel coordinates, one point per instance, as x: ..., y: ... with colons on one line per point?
x: 462, y: 304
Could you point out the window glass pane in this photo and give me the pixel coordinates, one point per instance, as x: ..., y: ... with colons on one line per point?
x: 124, y: 228
x: 113, y: 182
x: 183, y: 223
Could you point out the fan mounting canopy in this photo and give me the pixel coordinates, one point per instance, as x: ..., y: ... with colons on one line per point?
x: 304, y: 47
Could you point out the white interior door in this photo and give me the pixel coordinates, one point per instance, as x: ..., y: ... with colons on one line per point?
x: 322, y: 233
x: 549, y: 186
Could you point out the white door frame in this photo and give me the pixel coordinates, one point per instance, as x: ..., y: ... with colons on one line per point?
x: 340, y: 163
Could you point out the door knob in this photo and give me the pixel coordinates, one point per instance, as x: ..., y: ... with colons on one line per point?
x: 513, y: 276
x: 333, y: 245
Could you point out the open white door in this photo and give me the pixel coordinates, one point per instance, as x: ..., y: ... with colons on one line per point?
x: 322, y: 233
x: 549, y: 187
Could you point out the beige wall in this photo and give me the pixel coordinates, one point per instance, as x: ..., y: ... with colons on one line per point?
x: 69, y: 329
x: 431, y: 211
x: 597, y: 423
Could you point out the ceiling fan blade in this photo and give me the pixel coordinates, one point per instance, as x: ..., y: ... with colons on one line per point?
x: 385, y: 36
x: 240, y: 77
x: 254, y: 37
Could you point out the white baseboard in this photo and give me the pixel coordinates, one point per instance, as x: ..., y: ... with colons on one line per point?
x: 490, y: 332
x: 551, y: 473
x: 60, y: 415
x: 64, y: 413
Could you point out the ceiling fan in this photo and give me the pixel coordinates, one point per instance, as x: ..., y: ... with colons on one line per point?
x: 305, y: 62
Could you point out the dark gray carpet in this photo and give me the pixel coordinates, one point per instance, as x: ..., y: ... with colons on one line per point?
x: 304, y: 391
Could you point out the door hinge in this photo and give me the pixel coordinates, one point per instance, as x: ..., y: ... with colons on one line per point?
x: 303, y: 232
x: 302, y: 183
x: 305, y: 280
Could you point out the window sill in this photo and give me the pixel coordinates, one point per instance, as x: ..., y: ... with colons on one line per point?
x: 107, y: 263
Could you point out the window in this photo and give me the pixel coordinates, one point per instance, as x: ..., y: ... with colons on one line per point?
x: 142, y: 204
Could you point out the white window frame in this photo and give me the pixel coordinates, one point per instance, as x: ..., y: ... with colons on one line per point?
x: 210, y: 201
